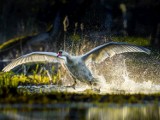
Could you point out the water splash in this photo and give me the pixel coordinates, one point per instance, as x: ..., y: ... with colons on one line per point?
x: 125, y: 84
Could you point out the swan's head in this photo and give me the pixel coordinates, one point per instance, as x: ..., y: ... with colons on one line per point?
x: 62, y: 53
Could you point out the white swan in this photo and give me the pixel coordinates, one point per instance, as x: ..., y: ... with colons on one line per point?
x: 76, y: 64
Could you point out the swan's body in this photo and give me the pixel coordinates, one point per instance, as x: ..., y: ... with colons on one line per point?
x: 78, y: 69
x: 76, y: 64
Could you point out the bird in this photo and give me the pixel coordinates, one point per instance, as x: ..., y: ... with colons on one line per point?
x: 77, y: 65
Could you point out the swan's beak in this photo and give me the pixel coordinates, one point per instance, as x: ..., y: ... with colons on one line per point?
x: 59, y: 54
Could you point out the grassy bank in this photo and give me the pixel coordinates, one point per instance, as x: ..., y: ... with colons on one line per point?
x: 58, y: 97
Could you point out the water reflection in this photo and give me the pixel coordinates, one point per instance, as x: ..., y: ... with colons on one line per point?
x: 79, y: 111
x: 127, y: 112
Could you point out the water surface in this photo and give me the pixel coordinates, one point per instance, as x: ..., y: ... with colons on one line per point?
x: 80, y: 110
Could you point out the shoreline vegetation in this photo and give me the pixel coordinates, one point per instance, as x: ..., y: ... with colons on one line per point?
x: 13, y: 97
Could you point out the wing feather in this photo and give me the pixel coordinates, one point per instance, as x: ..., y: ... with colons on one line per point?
x: 33, y: 57
x: 104, y: 51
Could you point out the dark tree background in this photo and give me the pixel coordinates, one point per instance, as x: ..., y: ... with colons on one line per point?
x: 24, y: 17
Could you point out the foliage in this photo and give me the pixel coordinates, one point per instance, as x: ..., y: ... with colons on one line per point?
x: 133, y: 40
x: 57, y: 97
x: 10, y: 42
x: 75, y: 38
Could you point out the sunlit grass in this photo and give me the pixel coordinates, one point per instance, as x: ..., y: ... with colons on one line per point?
x: 11, y: 79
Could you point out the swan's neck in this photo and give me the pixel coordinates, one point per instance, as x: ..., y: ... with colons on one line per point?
x: 69, y: 58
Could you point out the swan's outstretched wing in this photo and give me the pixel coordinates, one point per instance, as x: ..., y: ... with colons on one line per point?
x: 33, y: 57
x: 101, y: 52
